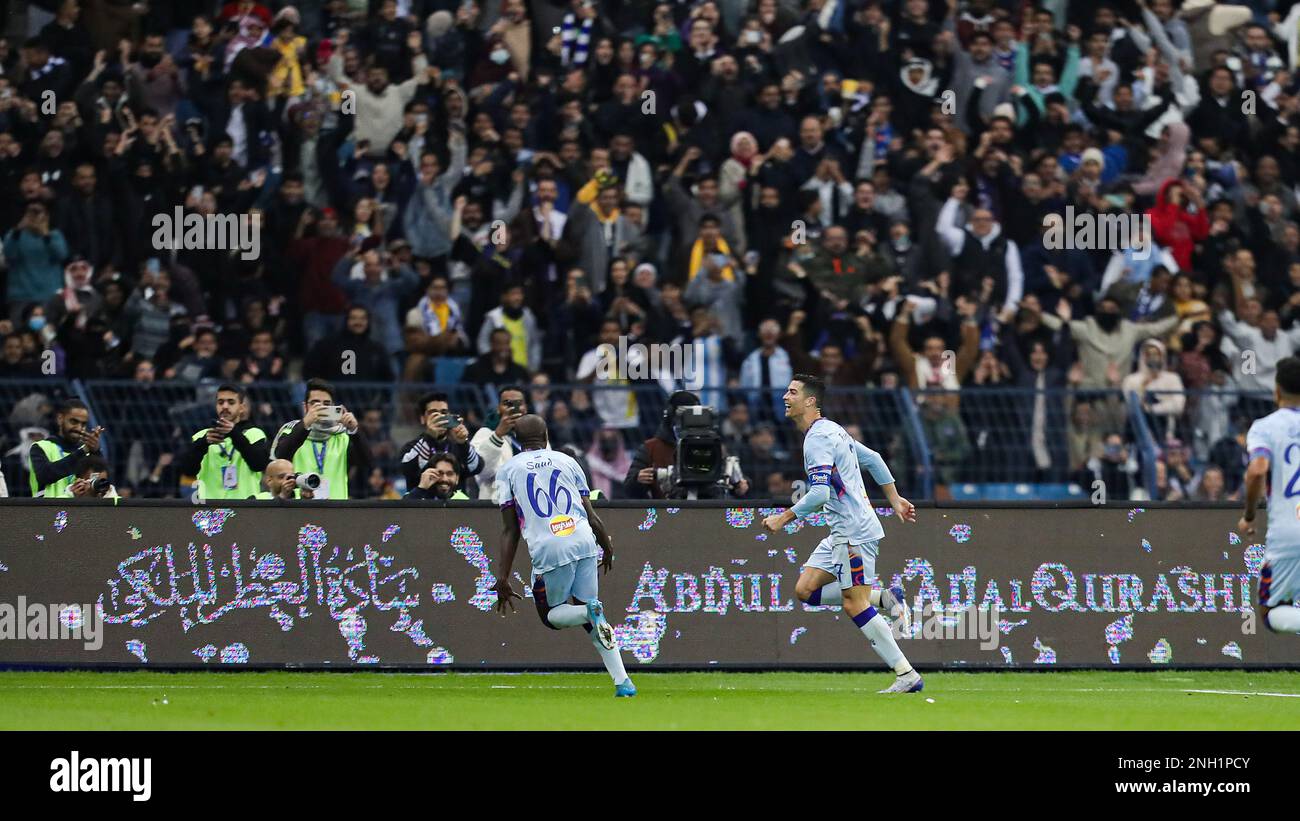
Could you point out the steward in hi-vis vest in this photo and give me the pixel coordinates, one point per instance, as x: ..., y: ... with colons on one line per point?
x: 327, y: 441
x: 54, y: 460
x: 228, y: 457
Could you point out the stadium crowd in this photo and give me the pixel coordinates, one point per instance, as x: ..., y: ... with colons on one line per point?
x: 853, y: 188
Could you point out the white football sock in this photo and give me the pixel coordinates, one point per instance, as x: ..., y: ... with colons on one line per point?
x: 567, y: 615
x: 877, y: 631
x: 831, y: 594
x: 1285, y: 619
x: 612, y: 659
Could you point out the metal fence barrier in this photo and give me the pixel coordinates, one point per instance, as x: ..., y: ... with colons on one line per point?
x: 979, y: 442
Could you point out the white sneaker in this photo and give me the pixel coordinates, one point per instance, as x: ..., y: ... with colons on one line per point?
x: 909, y: 682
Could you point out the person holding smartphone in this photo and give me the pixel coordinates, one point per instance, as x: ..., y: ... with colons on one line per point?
x: 328, y: 440
x: 229, y: 456
x: 495, y: 441
x: 444, y: 432
x: 34, y: 253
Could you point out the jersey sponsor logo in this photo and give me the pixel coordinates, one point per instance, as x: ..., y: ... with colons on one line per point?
x: 563, y: 526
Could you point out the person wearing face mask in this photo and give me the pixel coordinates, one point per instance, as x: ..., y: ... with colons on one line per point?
x: 154, y: 77
x: 1106, y: 339
x: 1159, y: 388
x: 915, y: 262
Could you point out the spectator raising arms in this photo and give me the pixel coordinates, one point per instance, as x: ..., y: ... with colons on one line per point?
x: 915, y: 194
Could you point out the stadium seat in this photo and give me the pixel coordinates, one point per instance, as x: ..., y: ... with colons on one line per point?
x: 1015, y: 491
x: 447, y: 370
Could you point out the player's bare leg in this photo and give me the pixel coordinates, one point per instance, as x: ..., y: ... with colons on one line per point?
x: 815, y: 586
x: 857, y: 604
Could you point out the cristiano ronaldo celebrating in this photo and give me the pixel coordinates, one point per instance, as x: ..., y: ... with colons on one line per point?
x: 843, y: 566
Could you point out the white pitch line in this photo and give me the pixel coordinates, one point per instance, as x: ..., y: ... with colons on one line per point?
x: 384, y: 686
x: 1245, y: 693
x: 163, y: 688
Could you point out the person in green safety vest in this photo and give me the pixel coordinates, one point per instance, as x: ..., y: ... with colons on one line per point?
x: 327, y: 441
x: 228, y: 457
x: 440, y: 480
x: 54, y: 460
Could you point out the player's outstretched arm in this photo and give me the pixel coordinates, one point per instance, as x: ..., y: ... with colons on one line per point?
x: 874, y: 464
x: 509, y: 547
x: 817, y: 496
x: 1256, y: 481
x: 602, y: 535
x: 903, y: 509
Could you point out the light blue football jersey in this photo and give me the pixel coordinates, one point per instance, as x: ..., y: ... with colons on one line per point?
x: 830, y: 458
x: 546, y: 489
x: 1277, y: 436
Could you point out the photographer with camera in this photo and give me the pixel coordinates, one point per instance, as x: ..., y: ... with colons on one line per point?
x: 284, y: 484
x: 444, y: 433
x: 685, y: 459
x: 92, y: 480
x: 228, y: 458
x: 440, y: 481
x: 327, y: 441
x: 495, y: 441
x: 54, y: 460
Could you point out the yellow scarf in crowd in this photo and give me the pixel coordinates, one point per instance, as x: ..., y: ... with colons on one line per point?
x: 697, y: 259
x: 286, y: 78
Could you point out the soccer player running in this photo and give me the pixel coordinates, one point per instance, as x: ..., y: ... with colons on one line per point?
x: 544, y: 498
x: 843, y: 566
x: 1273, y: 444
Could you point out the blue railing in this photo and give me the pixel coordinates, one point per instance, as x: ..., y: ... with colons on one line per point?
x: 1146, y: 440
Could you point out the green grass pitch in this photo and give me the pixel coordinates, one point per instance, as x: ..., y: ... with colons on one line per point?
x: 1107, y: 700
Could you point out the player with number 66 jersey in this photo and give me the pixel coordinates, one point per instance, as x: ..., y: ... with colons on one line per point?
x: 543, y: 496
